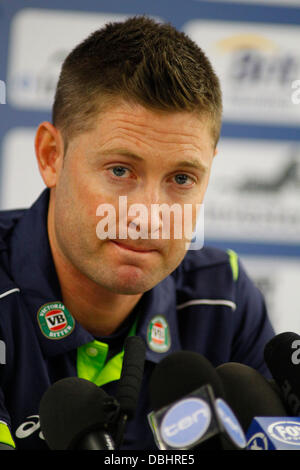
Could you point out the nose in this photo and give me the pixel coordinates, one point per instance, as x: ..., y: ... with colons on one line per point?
x: 155, y: 217
x: 145, y: 217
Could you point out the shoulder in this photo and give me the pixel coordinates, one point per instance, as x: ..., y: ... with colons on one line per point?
x: 8, y: 288
x: 9, y: 298
x: 214, y: 274
x: 207, y: 257
x: 208, y: 270
x: 8, y: 220
x: 221, y: 313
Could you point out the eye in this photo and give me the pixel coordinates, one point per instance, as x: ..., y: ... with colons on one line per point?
x: 182, y: 179
x: 119, y: 171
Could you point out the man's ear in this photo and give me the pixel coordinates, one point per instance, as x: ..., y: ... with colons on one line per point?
x: 49, y: 151
x: 216, y: 152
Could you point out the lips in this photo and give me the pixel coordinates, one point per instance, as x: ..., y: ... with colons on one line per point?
x: 136, y: 248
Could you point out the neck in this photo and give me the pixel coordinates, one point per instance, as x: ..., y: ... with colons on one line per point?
x: 99, y: 313
x: 97, y: 309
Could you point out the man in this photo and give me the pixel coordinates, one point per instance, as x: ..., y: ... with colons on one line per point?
x: 137, y: 115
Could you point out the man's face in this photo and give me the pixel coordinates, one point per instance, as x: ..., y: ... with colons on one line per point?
x: 145, y: 156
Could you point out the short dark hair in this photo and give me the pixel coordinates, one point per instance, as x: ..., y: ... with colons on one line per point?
x: 139, y: 60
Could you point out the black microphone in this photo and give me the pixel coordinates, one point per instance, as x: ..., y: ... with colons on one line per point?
x: 130, y: 383
x: 249, y: 393
x: 259, y: 407
x: 189, y: 412
x: 6, y: 446
x: 179, y: 374
x: 282, y: 355
x: 75, y: 414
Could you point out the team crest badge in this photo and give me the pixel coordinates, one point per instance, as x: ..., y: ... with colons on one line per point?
x: 55, y: 320
x: 158, y: 334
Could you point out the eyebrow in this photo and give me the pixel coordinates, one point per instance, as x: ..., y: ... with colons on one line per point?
x: 191, y: 163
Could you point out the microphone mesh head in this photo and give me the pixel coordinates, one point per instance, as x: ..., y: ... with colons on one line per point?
x: 279, y: 346
x: 282, y: 358
x: 179, y: 374
x: 71, y: 408
x: 248, y: 393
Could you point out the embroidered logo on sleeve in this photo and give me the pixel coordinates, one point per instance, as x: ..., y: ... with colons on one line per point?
x: 158, y: 334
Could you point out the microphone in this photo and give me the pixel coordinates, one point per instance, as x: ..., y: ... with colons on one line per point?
x: 180, y: 373
x: 186, y: 396
x: 90, y: 418
x: 6, y: 446
x: 130, y: 383
x: 274, y: 433
x: 75, y: 414
x: 260, y: 409
x: 248, y: 393
x: 282, y: 355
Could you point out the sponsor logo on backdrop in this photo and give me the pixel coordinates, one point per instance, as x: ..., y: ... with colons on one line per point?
x: 257, y: 64
x: 279, y: 280
x: 20, y: 180
x: 34, y: 66
x: 254, y: 192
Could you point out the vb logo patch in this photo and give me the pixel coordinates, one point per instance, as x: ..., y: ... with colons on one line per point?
x: 55, y: 320
x: 158, y: 334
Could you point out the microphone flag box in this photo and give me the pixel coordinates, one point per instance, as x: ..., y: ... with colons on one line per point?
x: 274, y: 433
x: 197, y: 418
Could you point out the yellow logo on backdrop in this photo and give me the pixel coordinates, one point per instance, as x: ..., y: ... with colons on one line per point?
x: 246, y: 41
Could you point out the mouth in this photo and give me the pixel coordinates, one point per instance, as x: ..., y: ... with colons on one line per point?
x: 135, y: 249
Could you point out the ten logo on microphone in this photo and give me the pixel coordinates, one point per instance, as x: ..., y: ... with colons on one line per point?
x: 230, y: 423
x: 185, y: 422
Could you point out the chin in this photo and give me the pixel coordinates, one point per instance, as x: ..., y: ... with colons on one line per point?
x: 132, y: 284
x: 126, y: 288
x: 127, y: 279
x: 132, y: 287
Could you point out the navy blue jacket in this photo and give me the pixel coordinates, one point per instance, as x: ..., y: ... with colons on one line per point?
x: 207, y: 307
